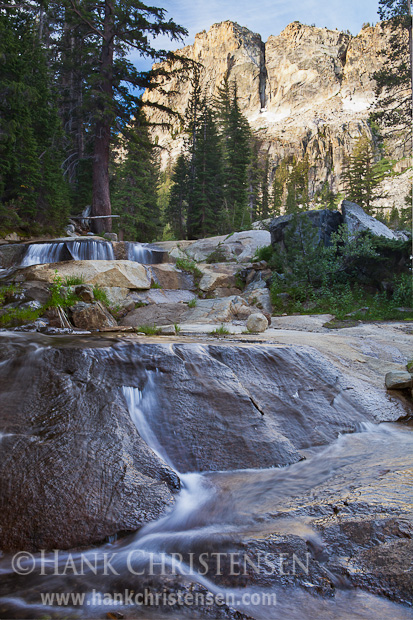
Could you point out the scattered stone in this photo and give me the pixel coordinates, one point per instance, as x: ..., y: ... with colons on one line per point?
x: 84, y: 292
x: 91, y: 316
x: 262, y: 264
x: 398, y: 380
x: 31, y: 305
x: 12, y: 237
x: 168, y: 330
x: 257, y: 323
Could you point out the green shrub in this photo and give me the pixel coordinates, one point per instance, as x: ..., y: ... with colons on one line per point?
x: 100, y: 295
x: 185, y: 264
x: 19, y: 316
x: 217, y: 256
x: 192, y: 303
x: 7, y: 293
x: 264, y: 253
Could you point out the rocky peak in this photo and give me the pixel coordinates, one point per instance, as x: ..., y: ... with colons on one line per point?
x: 307, y: 91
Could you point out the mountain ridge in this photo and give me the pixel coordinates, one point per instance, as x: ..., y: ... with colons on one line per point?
x: 308, y: 91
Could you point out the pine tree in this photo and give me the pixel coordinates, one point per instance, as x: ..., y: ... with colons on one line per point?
x: 116, y: 27
x: 394, y: 79
x: 205, y: 217
x: 265, y: 194
x: 134, y: 191
x: 176, y: 210
x: 31, y: 181
x: 280, y: 179
x: 254, y: 179
x: 297, y: 186
x: 362, y: 175
x: 235, y: 138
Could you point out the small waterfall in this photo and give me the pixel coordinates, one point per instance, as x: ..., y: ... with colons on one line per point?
x: 91, y: 250
x: 140, y: 253
x: 41, y: 253
x: 140, y: 404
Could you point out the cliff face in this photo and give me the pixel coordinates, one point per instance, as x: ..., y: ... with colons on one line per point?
x: 308, y: 91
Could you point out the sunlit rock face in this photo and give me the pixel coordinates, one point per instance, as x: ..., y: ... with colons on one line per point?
x: 307, y: 91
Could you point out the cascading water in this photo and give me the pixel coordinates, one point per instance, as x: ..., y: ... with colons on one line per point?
x: 141, y: 253
x: 41, y: 253
x: 220, y: 512
x: 91, y: 250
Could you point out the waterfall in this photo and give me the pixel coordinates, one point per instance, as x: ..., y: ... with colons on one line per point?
x: 140, y: 405
x: 91, y: 250
x: 140, y: 253
x: 41, y: 253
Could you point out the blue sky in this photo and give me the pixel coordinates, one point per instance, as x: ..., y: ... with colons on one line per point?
x: 264, y: 16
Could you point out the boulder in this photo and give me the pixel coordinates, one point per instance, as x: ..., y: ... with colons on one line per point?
x: 84, y: 292
x: 261, y: 298
x: 36, y: 291
x: 91, y: 316
x: 358, y: 221
x: 111, y: 273
x: 74, y: 469
x: 257, y: 323
x: 324, y: 222
x: 11, y: 254
x: 171, y: 278
x: 240, y: 246
x: 398, y: 380
x: 213, y: 280
x: 116, y: 294
x: 154, y: 314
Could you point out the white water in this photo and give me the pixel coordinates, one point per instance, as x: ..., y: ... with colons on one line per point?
x: 41, y: 253
x: 140, y: 253
x: 91, y: 250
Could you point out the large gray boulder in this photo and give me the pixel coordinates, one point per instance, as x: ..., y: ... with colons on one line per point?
x: 239, y: 246
x: 357, y: 220
x: 74, y: 469
x: 324, y: 222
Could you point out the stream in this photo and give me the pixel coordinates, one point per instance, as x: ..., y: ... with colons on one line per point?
x: 262, y: 542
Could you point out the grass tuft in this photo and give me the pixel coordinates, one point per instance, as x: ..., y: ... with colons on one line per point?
x: 149, y: 330
x: 220, y: 331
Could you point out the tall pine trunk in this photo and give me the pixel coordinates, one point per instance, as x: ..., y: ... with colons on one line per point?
x: 101, y: 195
